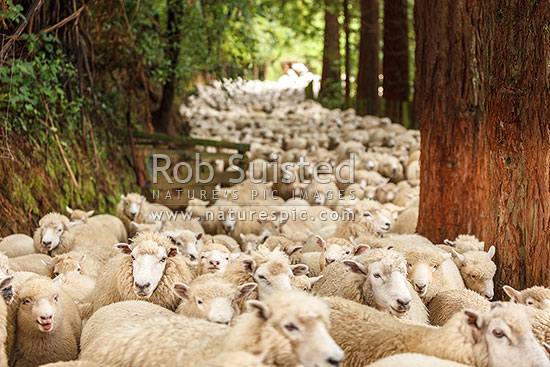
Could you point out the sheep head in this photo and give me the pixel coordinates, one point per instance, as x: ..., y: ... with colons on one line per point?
x: 132, y: 204
x: 424, y: 269
x: 48, y: 235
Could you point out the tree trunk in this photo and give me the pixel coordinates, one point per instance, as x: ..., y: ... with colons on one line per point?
x: 482, y: 91
x: 347, y: 53
x: 396, y: 58
x: 367, y: 77
x: 331, y: 90
x: 162, y: 117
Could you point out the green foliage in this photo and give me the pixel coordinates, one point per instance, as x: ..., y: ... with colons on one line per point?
x: 11, y: 13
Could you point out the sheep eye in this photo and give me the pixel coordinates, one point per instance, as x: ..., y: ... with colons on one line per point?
x: 133, y: 258
x: 305, y: 289
x: 530, y: 302
x: 410, y: 265
x: 203, y: 257
x: 498, y: 333
x: 376, y: 275
x: 473, y: 276
x: 199, y: 302
x: 291, y: 327
x: 262, y: 277
x: 347, y: 252
x: 227, y: 258
x: 193, y: 258
x: 162, y: 260
x: 56, y: 298
x: 78, y: 270
x: 27, y: 302
x: 56, y: 273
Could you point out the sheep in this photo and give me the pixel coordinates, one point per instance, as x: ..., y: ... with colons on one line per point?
x: 231, y: 244
x: 465, y: 243
x: 107, y: 221
x: 17, y: 245
x: 188, y: 243
x: 134, y: 207
x: 477, y: 270
x: 414, y: 360
x: 345, y: 150
x: 398, y: 242
x: 284, y: 243
x: 234, y: 359
x: 536, y: 297
x: 214, y: 258
x: 303, y: 282
x: 390, y: 167
x: 377, y: 278
x: 289, y: 329
x: 79, y: 287
x: 386, y: 193
x: 35, y: 263
x: 501, y: 336
x: 47, y: 324
x: 75, y: 261
x: 445, y: 304
x: 367, y: 219
x: 407, y: 221
x: 211, y: 297
x: 250, y: 242
x: 136, y: 228
x: 430, y: 271
x: 54, y: 237
x: 5, y: 283
x: 144, y: 272
x: 74, y: 364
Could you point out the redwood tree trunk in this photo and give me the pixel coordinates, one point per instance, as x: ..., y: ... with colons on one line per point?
x: 396, y: 58
x: 331, y: 90
x: 482, y: 91
x: 367, y: 77
x: 347, y: 53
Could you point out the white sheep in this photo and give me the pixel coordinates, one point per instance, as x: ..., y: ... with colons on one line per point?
x: 110, y: 222
x: 414, y: 360
x: 477, y: 270
x: 445, y: 304
x: 366, y: 219
x: 17, y: 245
x: 189, y: 243
x: 464, y: 243
x: 214, y: 258
x: 536, y: 297
x: 35, y: 263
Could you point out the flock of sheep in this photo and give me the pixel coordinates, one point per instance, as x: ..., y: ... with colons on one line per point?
x: 216, y: 288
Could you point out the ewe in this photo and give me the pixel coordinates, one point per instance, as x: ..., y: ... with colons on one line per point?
x: 289, y: 329
x: 46, y: 324
x: 145, y: 271
x: 189, y: 243
x: 501, y: 336
x: 110, y: 222
x: 214, y: 258
x: 367, y: 219
x: 17, y: 245
x: 536, y: 297
x: 211, y: 297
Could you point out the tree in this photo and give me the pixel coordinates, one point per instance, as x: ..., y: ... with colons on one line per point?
x: 482, y: 91
x: 162, y: 117
x: 367, y: 77
x: 331, y: 90
x: 347, y: 53
x: 396, y: 58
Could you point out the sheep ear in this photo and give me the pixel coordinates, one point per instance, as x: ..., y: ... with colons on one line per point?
x: 320, y: 242
x: 449, y: 243
x: 249, y: 265
x: 314, y: 280
x: 246, y: 289
x: 293, y: 249
x: 134, y: 225
x: 512, y: 293
x: 355, y: 267
x: 241, y: 236
x: 198, y: 236
x: 90, y: 213
x: 352, y: 240
x: 360, y: 249
x: 474, y: 319
x: 173, y: 251
x: 6, y: 282
x: 460, y: 257
x: 546, y: 347
x: 258, y: 308
x: 69, y: 210
x: 299, y: 269
x: 181, y: 290
x: 143, y: 199
x: 124, y: 248
x: 491, y: 252
x: 122, y: 197
x: 58, y: 280
x: 46, y: 263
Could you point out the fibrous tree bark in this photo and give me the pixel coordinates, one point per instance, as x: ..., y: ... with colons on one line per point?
x: 331, y: 89
x: 367, y: 76
x: 395, y: 66
x: 347, y: 52
x: 482, y: 90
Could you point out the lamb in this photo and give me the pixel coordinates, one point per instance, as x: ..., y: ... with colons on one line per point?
x: 445, y: 304
x: 477, y: 270
x: 144, y: 272
x: 464, y: 243
x: 107, y: 221
x: 269, y: 328
x: 490, y: 339
x: 47, y: 324
x: 17, y: 245
x: 211, y: 297
x: 414, y: 360
x: 188, y: 243
x: 35, y: 263
x: 367, y: 219
x: 536, y: 297
x: 54, y: 237
x: 214, y: 258
x: 377, y: 278
x: 303, y: 282
x: 430, y: 272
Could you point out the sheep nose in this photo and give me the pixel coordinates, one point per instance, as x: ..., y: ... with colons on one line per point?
x: 333, y: 362
x: 46, y: 243
x: 329, y: 261
x: 489, y: 296
x: 46, y: 318
x: 420, y: 287
x: 142, y: 286
x: 404, y: 302
x: 214, y: 262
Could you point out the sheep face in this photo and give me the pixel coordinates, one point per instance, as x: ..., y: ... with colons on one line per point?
x: 379, y: 221
x: 386, y: 280
x: 78, y: 216
x: 187, y: 242
x: 423, y: 267
x: 148, y: 264
x: 132, y: 204
x: 506, y: 333
x: 303, y: 282
x: 334, y: 251
x: 214, y: 261
x: 211, y: 299
x: 67, y: 264
x: 477, y: 271
x: 40, y: 310
x: 535, y: 297
x: 271, y: 276
x: 50, y: 234
x: 228, y: 220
